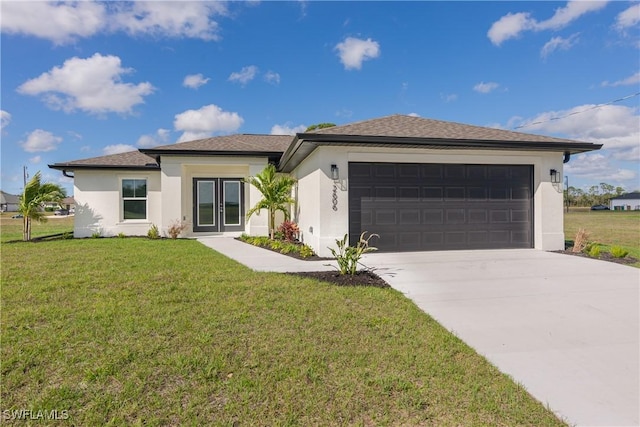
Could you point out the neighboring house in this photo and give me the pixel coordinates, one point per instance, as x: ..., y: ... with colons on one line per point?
x: 420, y: 184
x: 68, y: 203
x: 9, y: 202
x: 625, y: 202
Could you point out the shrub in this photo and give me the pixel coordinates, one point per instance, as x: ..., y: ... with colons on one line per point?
x: 67, y: 235
x: 276, y: 245
x: 153, y: 232
x: 288, y: 248
x: 581, y: 240
x: 594, y: 251
x: 306, y: 251
x: 121, y: 235
x: 349, y: 256
x: 176, y: 228
x: 619, y: 252
x: 289, y: 230
x: 278, y: 235
x: 96, y: 235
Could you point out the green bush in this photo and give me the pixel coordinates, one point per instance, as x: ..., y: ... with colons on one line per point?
x: 276, y: 245
x: 289, y: 248
x: 594, y: 251
x: 619, y: 252
x: 306, y: 251
x: 153, y: 232
x: 96, y: 235
x: 121, y: 235
x: 348, y: 256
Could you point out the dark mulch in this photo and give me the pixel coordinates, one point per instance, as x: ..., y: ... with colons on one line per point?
x: 604, y: 256
x: 361, y: 278
x: 295, y: 255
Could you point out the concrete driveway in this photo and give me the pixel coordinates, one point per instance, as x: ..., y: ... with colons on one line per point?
x: 565, y: 327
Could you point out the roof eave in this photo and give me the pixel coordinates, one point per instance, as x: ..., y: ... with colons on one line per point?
x: 70, y: 167
x: 305, y: 143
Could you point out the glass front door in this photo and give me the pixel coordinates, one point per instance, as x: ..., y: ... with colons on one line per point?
x: 218, y: 204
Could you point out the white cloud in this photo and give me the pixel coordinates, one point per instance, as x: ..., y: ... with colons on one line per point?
x: 272, y: 77
x: 286, y: 129
x: 513, y: 24
x: 117, y: 149
x: 40, y: 140
x: 628, y: 18
x: 483, y: 87
x: 93, y: 85
x: 74, y: 135
x: 194, y: 81
x: 631, y: 80
x: 59, y: 22
x: 615, y: 126
x: 202, y: 123
x: 353, y: 52
x: 413, y: 115
x: 598, y: 166
x: 245, y: 75
x: 558, y: 43
x: 68, y: 21
x: 509, y: 26
x: 170, y: 19
x: 151, y: 140
x: 448, y: 97
x: 5, y: 119
x: 34, y: 160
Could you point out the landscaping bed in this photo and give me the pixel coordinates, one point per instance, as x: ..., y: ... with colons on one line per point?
x: 361, y: 278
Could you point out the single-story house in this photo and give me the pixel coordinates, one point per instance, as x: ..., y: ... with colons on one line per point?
x: 625, y: 202
x: 420, y: 184
x: 68, y: 203
x: 9, y: 202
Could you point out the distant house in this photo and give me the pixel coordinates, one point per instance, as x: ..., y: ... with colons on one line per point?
x: 68, y: 203
x: 8, y: 202
x: 626, y: 202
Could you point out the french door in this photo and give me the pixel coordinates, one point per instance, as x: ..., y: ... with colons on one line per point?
x: 218, y: 204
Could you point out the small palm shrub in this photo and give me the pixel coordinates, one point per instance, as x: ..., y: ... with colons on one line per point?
x: 121, y: 235
x: 619, y: 252
x: 153, y: 232
x: 349, y: 256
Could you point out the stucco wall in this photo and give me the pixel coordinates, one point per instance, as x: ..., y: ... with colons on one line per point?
x: 177, y: 180
x: 321, y: 225
x: 625, y: 204
x: 99, y: 203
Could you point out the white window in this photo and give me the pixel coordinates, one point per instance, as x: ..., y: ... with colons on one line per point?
x: 134, y: 198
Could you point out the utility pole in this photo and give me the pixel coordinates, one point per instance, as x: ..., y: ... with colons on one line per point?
x: 25, y: 175
x: 566, y: 189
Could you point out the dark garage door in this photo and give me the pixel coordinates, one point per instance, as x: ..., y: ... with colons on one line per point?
x: 441, y: 206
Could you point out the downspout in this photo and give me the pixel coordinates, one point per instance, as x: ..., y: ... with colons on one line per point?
x: 567, y: 157
x: 65, y: 173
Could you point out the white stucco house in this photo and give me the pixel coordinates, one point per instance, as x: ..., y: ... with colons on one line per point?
x: 625, y: 202
x: 420, y: 184
x: 9, y: 202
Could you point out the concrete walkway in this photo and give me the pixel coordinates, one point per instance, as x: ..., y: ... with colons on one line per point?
x: 566, y: 328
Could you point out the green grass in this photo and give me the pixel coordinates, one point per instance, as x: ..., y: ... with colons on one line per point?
x: 11, y: 229
x: 167, y: 332
x: 608, y: 228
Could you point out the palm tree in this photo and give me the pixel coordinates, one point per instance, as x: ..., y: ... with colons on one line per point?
x: 276, y: 194
x: 34, y: 195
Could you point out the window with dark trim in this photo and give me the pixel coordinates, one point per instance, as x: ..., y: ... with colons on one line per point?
x: 134, y: 198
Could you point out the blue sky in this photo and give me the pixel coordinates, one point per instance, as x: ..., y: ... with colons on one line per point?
x: 86, y: 79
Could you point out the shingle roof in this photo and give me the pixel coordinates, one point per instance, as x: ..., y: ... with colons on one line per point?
x: 628, y: 196
x: 9, y: 198
x: 239, y: 143
x: 418, y: 127
x: 130, y: 159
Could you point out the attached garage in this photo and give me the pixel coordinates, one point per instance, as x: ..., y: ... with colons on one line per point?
x: 441, y: 206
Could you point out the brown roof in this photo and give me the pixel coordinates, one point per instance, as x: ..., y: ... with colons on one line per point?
x: 128, y: 160
x: 418, y: 127
x: 240, y: 143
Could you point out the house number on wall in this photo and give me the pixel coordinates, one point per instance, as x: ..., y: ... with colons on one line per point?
x: 334, y: 197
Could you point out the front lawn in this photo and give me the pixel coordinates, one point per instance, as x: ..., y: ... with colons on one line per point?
x: 168, y: 332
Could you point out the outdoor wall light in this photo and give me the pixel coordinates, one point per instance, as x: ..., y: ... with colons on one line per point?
x: 555, y: 176
x: 335, y: 173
